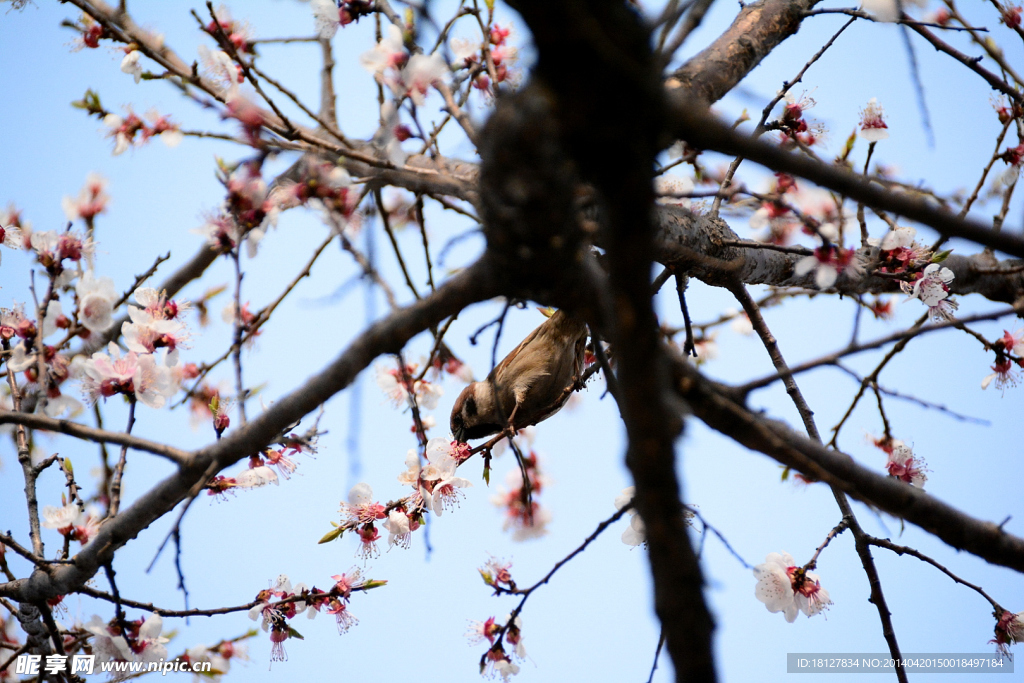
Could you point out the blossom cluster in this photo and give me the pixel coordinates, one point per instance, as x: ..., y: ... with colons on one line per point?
x: 263, y: 469
x: 524, y: 515
x: 219, y: 656
x: 404, y: 74
x: 277, y: 605
x: 400, y: 385
x: 128, y: 641
x: 496, y: 661
x: 143, y: 373
x: 480, y: 57
x: 247, y: 213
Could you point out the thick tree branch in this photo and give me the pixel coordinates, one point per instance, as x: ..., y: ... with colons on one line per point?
x: 757, y: 30
x: 716, y: 405
x: 699, y: 128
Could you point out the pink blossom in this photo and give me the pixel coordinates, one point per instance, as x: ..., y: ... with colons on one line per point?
x: 1009, y: 629
x: 784, y: 587
x: 480, y: 631
x: 872, y: 122
x: 828, y: 263
x: 342, y: 616
x: 1005, y: 375
x: 327, y: 18
x: 932, y: 288
x: 422, y: 72
x: 905, y: 466
x: 389, y: 53
x: 92, y: 200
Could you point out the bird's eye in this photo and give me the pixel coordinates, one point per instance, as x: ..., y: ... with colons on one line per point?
x: 471, y: 407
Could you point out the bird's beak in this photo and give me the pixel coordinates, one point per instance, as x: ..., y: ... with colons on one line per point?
x: 459, y: 434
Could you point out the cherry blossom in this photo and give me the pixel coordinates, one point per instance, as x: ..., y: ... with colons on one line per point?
x: 326, y: 17
x: 284, y: 464
x: 905, y: 466
x: 157, y: 305
x: 71, y: 521
x: 62, y: 519
x: 440, y: 486
x: 422, y: 72
x: 888, y: 10
x: 52, y: 249
x: 255, y: 477
x: 523, y: 514
x: 10, y: 235
x: 932, y: 288
x: 221, y: 71
x: 142, y: 644
x: 496, y: 572
x: 130, y: 64
x: 219, y: 657
x: 1014, y: 158
x: 92, y: 200
x: 11, y: 320
x: 396, y: 387
x: 160, y: 125
x: 238, y: 33
x: 899, y: 251
x: 110, y: 373
x: 389, y: 53
x: 499, y: 664
x: 479, y: 631
x: 828, y: 262
x: 1005, y: 375
x: 96, y: 299
x: 392, y: 134
x: 784, y: 587
x: 411, y: 475
x: 635, y: 534
x: 1009, y: 629
x: 397, y: 525
x: 1013, y: 342
x: 123, y: 130
x: 872, y: 118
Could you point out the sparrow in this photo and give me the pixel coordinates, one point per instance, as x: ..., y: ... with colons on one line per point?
x: 530, y: 385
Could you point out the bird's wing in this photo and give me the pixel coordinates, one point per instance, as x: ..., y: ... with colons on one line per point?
x: 501, y: 367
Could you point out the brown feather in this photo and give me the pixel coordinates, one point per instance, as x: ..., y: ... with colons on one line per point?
x: 532, y: 382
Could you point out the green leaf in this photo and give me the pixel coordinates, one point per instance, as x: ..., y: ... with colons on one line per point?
x: 332, y: 535
x: 90, y: 102
x: 941, y: 256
